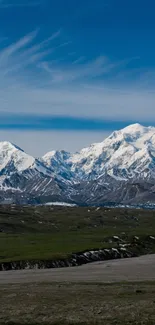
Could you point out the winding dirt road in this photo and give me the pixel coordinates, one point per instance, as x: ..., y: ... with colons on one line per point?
x: 132, y: 269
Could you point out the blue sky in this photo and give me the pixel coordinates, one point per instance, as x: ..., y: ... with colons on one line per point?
x: 74, y: 70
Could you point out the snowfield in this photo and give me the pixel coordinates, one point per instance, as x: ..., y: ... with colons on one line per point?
x: 64, y: 204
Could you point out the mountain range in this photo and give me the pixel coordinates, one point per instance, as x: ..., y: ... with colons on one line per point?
x: 121, y: 169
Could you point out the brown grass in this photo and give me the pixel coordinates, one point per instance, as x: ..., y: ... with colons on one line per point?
x: 77, y: 304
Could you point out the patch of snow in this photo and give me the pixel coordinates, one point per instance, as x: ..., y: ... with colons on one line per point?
x: 115, y: 250
x: 61, y: 204
x: 151, y: 237
x: 116, y: 237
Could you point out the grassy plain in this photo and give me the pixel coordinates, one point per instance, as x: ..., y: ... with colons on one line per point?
x: 51, y: 232
x: 29, y: 233
x: 78, y: 304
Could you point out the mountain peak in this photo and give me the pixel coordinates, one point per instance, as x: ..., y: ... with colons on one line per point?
x: 125, y: 157
x: 60, y: 155
x: 134, y: 133
x: 6, y: 145
x: 136, y: 128
x: 13, y: 158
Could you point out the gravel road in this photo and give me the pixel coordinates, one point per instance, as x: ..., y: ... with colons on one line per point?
x: 132, y: 269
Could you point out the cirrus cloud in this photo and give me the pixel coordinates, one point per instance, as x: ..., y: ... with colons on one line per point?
x: 35, y: 80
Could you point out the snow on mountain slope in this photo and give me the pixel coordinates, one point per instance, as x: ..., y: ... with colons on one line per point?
x: 124, y: 153
x: 12, y: 158
x: 57, y: 162
x: 17, y: 168
x: 24, y: 178
x: 54, y: 157
x: 122, y: 167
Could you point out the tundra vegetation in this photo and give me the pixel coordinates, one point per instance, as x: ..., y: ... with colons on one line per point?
x: 29, y: 233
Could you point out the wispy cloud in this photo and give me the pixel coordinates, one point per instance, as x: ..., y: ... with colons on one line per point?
x: 79, y: 60
x: 79, y: 70
x: 69, y: 73
x: 35, y: 80
x: 13, y: 48
x: 26, y: 51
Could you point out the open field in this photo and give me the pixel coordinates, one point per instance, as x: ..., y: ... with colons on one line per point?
x: 87, y: 303
x: 29, y: 233
x: 103, y: 293
x: 132, y: 269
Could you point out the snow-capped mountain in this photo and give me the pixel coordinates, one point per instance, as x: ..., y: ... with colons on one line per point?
x: 119, y: 169
x: 58, y: 162
x: 22, y: 176
x: 14, y: 159
x: 125, y: 154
